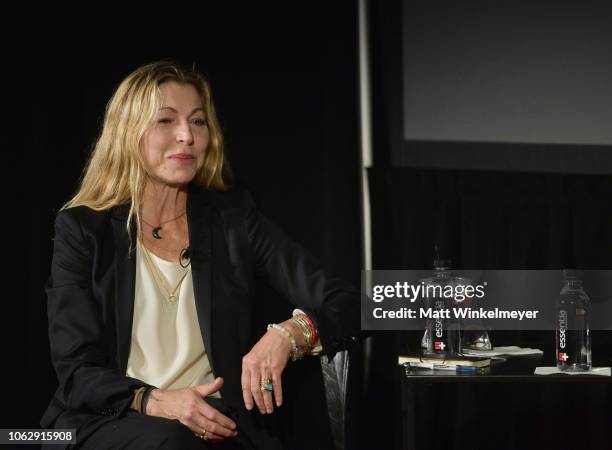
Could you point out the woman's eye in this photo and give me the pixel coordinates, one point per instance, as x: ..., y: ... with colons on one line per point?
x: 199, y: 122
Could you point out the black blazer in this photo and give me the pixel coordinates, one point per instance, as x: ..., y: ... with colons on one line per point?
x: 91, y: 297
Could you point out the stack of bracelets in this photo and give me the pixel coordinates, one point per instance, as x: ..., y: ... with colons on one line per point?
x: 307, y: 328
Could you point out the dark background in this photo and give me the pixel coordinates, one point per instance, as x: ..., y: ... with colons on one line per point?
x: 285, y: 82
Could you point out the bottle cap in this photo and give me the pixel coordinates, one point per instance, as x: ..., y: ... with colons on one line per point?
x: 570, y: 274
x: 442, y: 264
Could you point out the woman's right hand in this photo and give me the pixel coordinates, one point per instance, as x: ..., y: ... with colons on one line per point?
x: 189, y: 407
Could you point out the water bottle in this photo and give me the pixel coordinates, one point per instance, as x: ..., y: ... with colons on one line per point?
x: 474, y: 335
x: 442, y: 334
x: 573, y: 337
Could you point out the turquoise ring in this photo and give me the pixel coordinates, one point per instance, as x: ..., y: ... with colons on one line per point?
x: 266, y: 385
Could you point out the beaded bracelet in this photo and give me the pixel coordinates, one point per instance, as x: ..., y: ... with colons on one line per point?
x: 296, y: 352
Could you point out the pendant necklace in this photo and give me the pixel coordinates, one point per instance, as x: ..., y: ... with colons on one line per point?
x: 156, y: 229
x: 170, y: 295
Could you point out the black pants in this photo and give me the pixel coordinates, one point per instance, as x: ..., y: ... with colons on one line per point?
x: 135, y: 431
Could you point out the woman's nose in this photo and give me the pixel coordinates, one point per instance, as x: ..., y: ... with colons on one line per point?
x: 184, y: 134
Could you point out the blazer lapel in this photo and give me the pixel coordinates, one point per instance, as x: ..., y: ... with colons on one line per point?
x: 200, y: 241
x: 125, y: 282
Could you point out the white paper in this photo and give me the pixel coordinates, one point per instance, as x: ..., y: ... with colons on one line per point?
x: 504, y: 351
x: 605, y: 371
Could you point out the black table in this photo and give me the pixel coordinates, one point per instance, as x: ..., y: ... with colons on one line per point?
x: 507, y: 369
x: 509, y: 385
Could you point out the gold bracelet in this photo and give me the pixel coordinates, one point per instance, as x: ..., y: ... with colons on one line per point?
x: 314, y: 335
x: 304, y: 327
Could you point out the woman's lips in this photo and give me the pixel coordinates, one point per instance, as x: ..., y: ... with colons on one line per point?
x: 183, y: 159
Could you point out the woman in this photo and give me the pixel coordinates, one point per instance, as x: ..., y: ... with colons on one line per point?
x: 154, y: 329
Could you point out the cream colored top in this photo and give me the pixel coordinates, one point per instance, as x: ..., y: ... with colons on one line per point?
x: 167, y: 350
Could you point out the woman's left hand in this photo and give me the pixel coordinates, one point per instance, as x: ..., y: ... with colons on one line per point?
x: 267, y: 359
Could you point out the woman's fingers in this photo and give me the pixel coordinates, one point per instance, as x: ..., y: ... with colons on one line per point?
x: 278, y: 389
x: 251, y: 382
x: 201, y: 430
x: 256, y: 392
x: 200, y: 415
x: 206, y: 389
x: 245, y: 381
x: 267, y: 396
x: 222, y: 424
x: 189, y: 407
x: 201, y: 425
x: 215, y: 428
x: 210, y: 412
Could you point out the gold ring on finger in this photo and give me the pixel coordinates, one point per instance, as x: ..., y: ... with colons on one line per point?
x: 266, y: 384
x: 202, y: 435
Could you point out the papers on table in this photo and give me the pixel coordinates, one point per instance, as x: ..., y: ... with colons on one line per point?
x: 503, y: 351
x: 553, y: 370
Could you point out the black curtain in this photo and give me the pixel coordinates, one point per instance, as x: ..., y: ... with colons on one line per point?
x: 490, y: 220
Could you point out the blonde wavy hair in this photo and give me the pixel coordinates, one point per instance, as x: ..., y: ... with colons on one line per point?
x: 115, y: 173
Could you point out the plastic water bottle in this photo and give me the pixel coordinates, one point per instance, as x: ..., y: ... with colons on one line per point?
x: 573, y: 336
x: 474, y: 335
x: 442, y: 335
